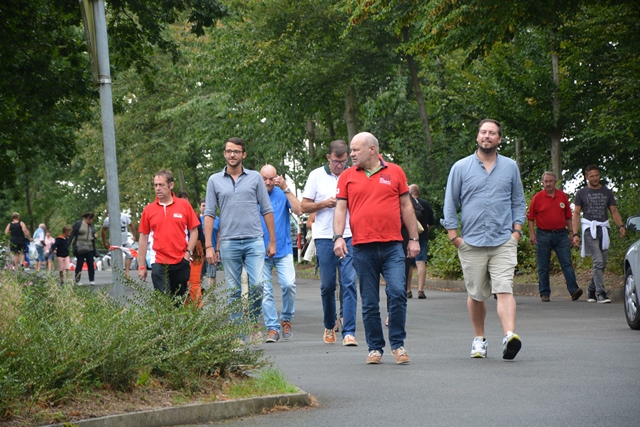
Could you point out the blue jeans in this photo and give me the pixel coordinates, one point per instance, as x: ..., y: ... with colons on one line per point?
x: 371, y: 260
x: 287, y: 279
x: 328, y: 262
x: 558, y: 242
x: 250, y: 253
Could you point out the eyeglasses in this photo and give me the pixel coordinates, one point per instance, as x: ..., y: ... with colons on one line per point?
x: 230, y: 152
x: 264, y: 178
x: 339, y: 162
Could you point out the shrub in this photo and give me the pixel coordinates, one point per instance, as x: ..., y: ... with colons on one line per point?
x: 58, y: 340
x: 443, y: 257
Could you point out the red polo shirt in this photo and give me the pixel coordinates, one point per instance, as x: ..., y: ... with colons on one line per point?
x: 550, y: 213
x: 373, y: 202
x: 168, y: 229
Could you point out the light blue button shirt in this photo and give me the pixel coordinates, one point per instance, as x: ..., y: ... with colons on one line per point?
x: 491, y: 202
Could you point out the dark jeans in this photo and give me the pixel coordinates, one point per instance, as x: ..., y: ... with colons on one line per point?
x: 81, y: 259
x: 171, y: 279
x: 370, y: 261
x: 558, y: 242
x: 349, y: 293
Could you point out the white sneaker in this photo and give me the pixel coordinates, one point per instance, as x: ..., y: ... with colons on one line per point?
x: 511, y: 345
x: 479, y: 348
x: 92, y: 283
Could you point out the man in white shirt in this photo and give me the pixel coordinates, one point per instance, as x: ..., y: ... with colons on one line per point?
x: 319, y: 196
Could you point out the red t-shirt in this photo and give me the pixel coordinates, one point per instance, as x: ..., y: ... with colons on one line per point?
x: 168, y: 229
x: 373, y: 202
x: 550, y: 213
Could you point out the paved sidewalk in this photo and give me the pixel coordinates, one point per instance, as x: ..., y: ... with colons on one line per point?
x: 579, y: 366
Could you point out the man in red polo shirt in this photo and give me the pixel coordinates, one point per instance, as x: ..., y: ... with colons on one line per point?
x: 376, y: 195
x: 551, y: 212
x: 169, y: 227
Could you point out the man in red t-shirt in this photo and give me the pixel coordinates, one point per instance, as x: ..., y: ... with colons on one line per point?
x: 376, y: 195
x: 169, y: 227
x: 551, y: 212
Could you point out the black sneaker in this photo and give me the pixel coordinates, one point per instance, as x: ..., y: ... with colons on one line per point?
x: 603, y: 299
x: 591, y: 296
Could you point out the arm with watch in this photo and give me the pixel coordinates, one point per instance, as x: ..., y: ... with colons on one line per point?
x: 296, y: 207
x: 193, y: 238
x: 339, y: 224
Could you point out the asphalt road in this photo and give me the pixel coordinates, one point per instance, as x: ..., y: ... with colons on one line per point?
x: 579, y: 366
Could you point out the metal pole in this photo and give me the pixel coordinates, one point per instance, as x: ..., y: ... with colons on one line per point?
x: 109, y: 141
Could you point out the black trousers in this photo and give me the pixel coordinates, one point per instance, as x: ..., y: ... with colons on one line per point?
x: 171, y: 279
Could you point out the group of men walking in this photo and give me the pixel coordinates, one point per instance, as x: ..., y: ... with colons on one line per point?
x: 359, y: 214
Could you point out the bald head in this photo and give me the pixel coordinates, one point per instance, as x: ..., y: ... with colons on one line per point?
x: 414, y: 190
x: 269, y: 174
x: 364, y: 150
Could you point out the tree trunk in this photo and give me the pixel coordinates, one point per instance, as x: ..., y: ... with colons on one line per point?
x: 311, y: 138
x: 350, y: 113
x: 27, y: 191
x: 183, y: 184
x: 332, y: 130
x: 519, y: 154
x: 556, y: 132
x: 417, y: 89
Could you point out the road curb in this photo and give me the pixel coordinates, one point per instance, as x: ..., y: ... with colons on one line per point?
x: 615, y: 294
x: 194, y: 413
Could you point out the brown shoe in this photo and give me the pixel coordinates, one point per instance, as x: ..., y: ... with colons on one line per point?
x: 374, y: 357
x: 287, y: 332
x: 421, y: 295
x: 329, y: 336
x: 349, y: 341
x: 545, y: 298
x: 402, y: 358
x: 409, y: 294
x: 272, y: 336
x: 576, y: 294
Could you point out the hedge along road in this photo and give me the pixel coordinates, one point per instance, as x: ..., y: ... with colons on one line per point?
x: 579, y: 366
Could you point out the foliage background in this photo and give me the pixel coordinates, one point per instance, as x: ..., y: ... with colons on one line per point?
x: 289, y: 76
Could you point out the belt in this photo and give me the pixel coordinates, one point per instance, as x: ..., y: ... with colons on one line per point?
x: 562, y: 230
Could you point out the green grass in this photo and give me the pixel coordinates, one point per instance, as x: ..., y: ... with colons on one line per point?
x: 270, y: 382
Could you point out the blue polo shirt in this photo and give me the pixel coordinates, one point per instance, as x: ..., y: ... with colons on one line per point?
x: 281, y: 208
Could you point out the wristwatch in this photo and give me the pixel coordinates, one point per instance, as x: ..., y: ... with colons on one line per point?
x: 415, y: 239
x: 190, y: 252
x: 287, y: 191
x: 336, y: 237
x: 515, y: 230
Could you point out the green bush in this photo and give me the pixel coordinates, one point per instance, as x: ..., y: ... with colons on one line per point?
x: 443, y: 257
x: 59, y: 340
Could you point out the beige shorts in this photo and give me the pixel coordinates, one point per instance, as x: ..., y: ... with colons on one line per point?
x: 64, y: 263
x: 488, y: 270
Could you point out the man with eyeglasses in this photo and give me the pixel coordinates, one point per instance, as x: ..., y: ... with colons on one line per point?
x: 243, y: 199
x: 319, y: 196
x: 282, y: 200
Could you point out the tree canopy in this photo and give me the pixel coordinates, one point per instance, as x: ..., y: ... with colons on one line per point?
x: 290, y: 76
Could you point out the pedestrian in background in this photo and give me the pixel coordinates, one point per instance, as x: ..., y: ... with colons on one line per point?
x: 595, y: 202
x: 550, y: 211
x: 82, y: 241
x: 19, y: 239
